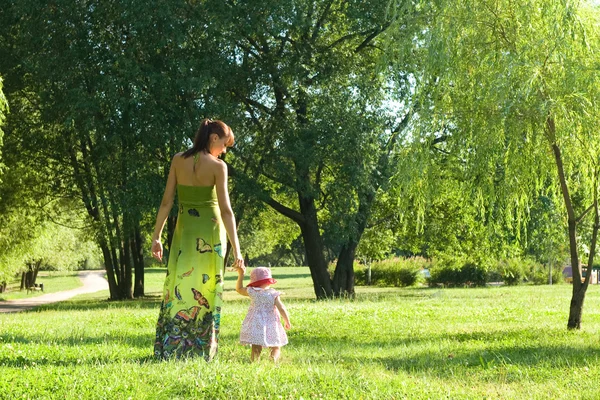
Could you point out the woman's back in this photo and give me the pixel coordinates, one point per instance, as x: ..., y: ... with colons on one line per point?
x: 198, y: 170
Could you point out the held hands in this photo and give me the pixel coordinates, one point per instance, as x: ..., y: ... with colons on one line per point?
x: 238, y: 262
x: 157, y: 249
x: 241, y: 270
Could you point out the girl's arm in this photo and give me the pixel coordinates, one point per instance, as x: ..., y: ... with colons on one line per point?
x: 239, y: 285
x: 163, y: 212
x: 227, y: 213
x: 283, y: 312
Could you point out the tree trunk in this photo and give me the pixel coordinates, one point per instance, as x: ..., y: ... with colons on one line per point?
x: 579, y: 288
x: 138, y: 261
x: 343, y: 278
x: 126, y: 264
x: 313, y: 246
x: 110, y: 271
x: 36, y: 269
x: 576, y: 308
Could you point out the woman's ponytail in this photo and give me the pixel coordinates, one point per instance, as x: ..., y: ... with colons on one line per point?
x: 207, y: 128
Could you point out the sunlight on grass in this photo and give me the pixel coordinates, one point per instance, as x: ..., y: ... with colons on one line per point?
x: 387, y: 343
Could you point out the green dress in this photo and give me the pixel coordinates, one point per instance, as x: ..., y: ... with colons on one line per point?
x: 189, y: 319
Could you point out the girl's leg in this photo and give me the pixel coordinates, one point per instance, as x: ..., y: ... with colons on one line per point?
x: 255, y: 354
x: 275, y: 353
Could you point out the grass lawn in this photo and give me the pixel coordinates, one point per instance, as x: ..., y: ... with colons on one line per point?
x: 54, y: 281
x: 415, y: 343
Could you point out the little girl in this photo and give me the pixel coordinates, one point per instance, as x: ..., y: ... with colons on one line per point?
x: 262, y: 325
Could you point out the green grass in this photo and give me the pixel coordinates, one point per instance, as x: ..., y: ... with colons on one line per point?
x: 414, y: 343
x: 54, y: 281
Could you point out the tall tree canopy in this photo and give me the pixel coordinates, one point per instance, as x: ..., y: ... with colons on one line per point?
x: 315, y: 118
x: 106, y: 94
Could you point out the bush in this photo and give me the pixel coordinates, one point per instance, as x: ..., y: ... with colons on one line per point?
x: 398, y: 272
x: 512, y: 271
x: 451, y: 272
x: 538, y: 274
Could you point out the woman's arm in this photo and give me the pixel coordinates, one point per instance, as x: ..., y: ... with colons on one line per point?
x: 163, y: 212
x: 283, y: 312
x: 239, y: 285
x: 227, y: 213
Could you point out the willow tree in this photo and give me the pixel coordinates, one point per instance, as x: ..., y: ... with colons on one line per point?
x: 513, y: 90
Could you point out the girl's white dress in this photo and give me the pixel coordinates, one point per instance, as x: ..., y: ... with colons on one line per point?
x: 262, y: 325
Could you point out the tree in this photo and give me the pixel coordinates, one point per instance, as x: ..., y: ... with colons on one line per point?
x: 107, y: 95
x: 303, y: 75
x: 3, y: 110
x: 512, y: 89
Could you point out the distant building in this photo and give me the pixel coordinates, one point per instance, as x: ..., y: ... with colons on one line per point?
x: 568, y: 274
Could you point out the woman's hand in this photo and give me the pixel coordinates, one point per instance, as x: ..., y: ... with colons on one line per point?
x: 238, y: 262
x: 157, y: 249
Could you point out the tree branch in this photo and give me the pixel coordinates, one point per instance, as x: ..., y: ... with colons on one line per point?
x: 373, y: 35
x: 321, y: 20
x: 582, y: 216
x: 267, y: 199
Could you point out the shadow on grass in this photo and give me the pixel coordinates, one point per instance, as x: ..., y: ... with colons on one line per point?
x: 431, y: 359
x: 442, y: 354
x: 133, y: 340
x: 90, y: 305
x: 21, y: 361
x: 540, y: 356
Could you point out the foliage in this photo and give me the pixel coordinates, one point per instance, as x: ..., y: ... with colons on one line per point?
x: 517, y: 271
x: 265, y: 232
x: 395, y: 272
x: 56, y: 247
x: 538, y: 274
x: 314, y: 109
x: 509, y: 93
x: 104, y: 96
x: 512, y: 271
x: 449, y: 272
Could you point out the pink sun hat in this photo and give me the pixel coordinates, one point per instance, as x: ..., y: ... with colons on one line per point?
x: 261, y: 276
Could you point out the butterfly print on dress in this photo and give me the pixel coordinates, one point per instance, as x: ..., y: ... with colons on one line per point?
x: 193, y: 212
x: 218, y: 249
x: 200, y: 298
x: 186, y: 274
x: 189, y: 314
x: 202, y: 246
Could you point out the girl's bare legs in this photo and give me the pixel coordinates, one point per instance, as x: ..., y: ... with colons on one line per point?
x: 275, y: 353
x: 255, y: 354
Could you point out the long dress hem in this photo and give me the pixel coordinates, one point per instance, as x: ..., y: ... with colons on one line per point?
x: 190, y: 313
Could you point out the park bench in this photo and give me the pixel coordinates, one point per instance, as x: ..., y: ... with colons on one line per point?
x: 36, y: 286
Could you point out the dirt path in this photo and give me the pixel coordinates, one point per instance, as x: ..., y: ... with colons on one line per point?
x: 93, y: 281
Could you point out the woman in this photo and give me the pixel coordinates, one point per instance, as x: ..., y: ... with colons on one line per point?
x: 189, y: 319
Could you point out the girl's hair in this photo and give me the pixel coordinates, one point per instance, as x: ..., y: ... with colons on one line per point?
x: 207, y: 128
